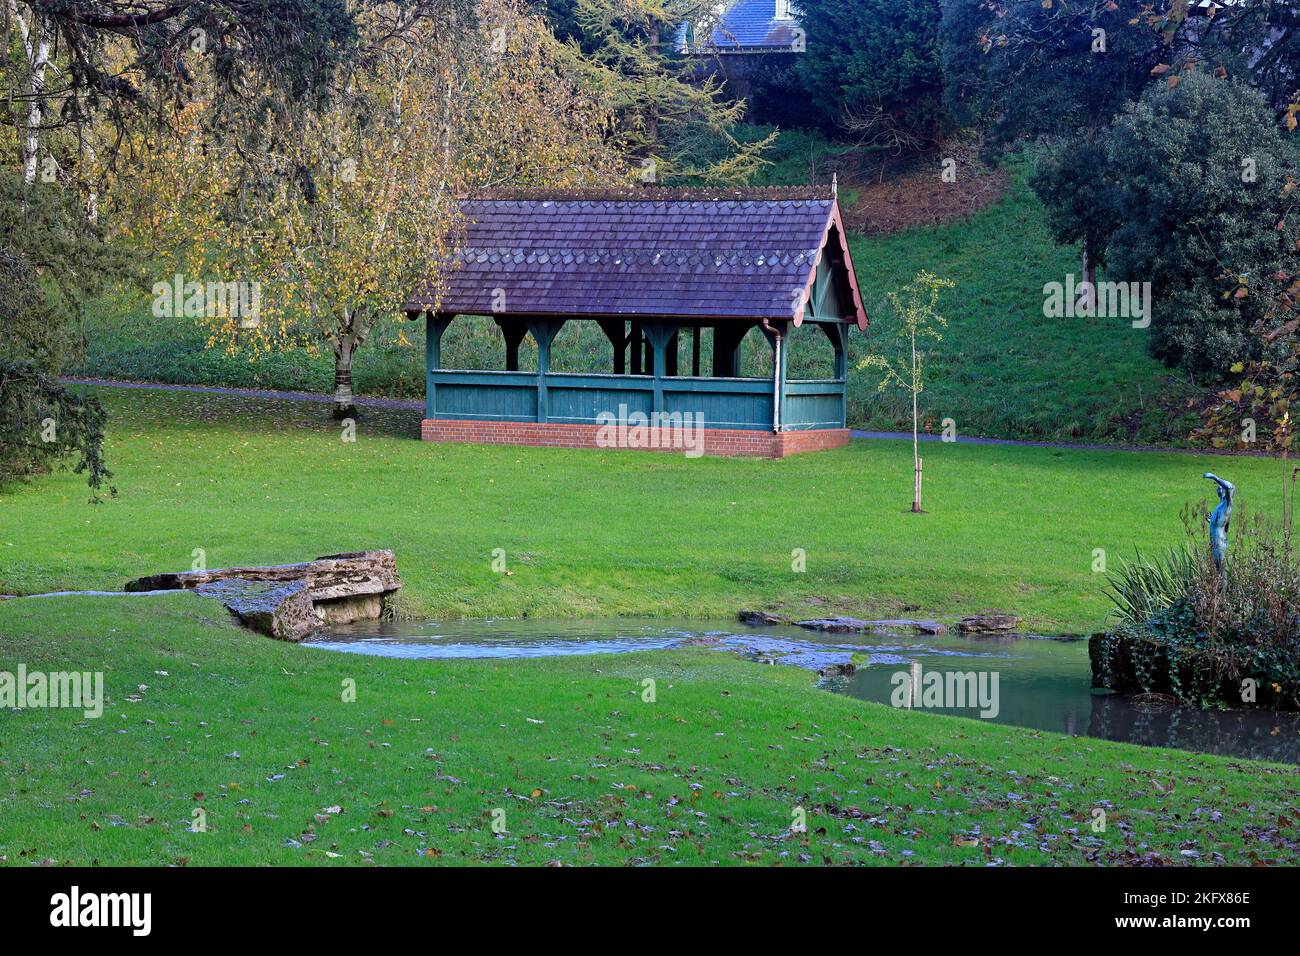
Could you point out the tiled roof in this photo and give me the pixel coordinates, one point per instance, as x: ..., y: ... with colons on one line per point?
x: 667, y: 253
x: 744, y: 26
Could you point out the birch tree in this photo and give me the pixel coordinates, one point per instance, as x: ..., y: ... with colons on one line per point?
x: 354, y: 207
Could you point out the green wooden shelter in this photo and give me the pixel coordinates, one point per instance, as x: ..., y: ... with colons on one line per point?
x: 648, y: 266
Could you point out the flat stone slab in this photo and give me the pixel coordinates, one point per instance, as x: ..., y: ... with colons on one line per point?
x: 329, y: 578
x: 986, y: 623
x: 854, y: 625
x: 835, y: 625
x: 292, y: 601
x: 284, y: 611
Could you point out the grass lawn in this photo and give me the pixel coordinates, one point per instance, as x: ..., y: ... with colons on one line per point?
x: 597, y: 533
x: 203, y: 715
x: 567, y: 753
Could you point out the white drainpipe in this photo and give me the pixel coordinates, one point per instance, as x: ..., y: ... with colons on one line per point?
x: 776, y: 378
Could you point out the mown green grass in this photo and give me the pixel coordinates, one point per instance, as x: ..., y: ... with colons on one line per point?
x: 589, y: 533
x: 568, y: 753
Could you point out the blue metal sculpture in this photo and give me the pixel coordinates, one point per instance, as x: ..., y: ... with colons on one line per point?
x: 1219, y: 520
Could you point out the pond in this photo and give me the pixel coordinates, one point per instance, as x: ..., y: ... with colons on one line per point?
x: 1040, y: 683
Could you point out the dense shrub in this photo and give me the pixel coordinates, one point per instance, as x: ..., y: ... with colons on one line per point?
x: 1197, y: 173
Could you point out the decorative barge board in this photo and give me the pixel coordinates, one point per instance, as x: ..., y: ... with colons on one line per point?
x: 649, y: 267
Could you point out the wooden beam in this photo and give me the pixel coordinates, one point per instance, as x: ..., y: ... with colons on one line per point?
x: 658, y: 335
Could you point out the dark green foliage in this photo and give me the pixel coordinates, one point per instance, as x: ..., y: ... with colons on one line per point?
x: 291, y: 46
x: 42, y: 422
x: 1075, y: 186
x: 1259, y: 41
x: 562, y: 15
x: 778, y: 96
x: 51, y: 259
x: 864, y: 55
x: 1205, y: 164
x: 1032, y: 70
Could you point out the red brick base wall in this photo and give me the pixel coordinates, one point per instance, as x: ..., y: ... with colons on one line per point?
x: 726, y: 442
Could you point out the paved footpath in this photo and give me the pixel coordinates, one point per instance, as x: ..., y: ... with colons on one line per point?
x: 415, y: 404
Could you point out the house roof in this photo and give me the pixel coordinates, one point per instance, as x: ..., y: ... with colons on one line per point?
x: 654, y: 253
x: 744, y: 26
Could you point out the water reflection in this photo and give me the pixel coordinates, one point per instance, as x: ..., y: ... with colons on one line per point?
x: 1043, y: 684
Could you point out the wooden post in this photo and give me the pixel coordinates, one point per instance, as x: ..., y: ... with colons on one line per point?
x: 635, y: 341
x: 671, y: 367
x: 658, y: 335
x: 434, y: 325
x: 916, y: 490
x: 544, y: 332
x: 837, y: 332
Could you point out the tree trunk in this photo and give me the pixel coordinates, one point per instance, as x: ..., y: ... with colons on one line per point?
x: 1087, y: 298
x: 344, y: 349
x: 36, y: 43
x: 652, y: 121
x: 916, y: 446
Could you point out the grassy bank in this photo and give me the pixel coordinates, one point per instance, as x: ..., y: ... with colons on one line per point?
x: 1002, y: 369
x: 595, y: 533
x: 567, y: 753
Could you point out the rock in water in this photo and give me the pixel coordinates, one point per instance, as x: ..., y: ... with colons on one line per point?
x: 838, y: 625
x: 838, y: 670
x: 760, y: 619
x: 985, y: 623
x: 921, y: 627
x: 853, y: 625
